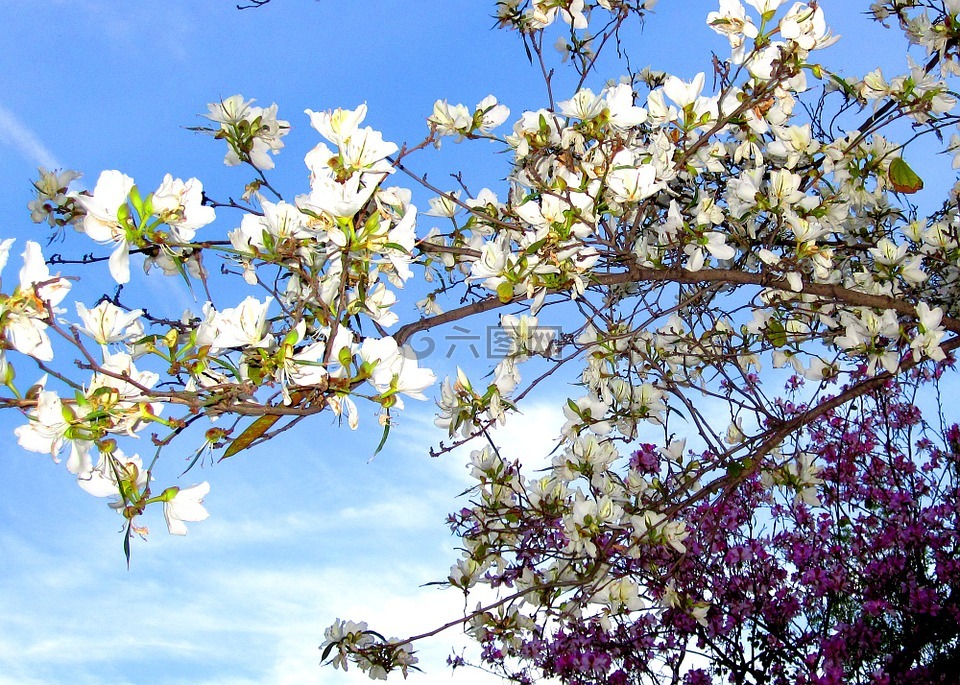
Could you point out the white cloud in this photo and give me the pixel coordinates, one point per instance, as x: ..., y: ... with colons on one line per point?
x: 259, y: 621
x: 245, y: 598
x: 127, y: 30
x: 246, y: 625
x: 529, y: 436
x: 17, y: 135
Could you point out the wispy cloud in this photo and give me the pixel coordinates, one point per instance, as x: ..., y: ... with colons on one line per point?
x: 245, y: 598
x: 129, y: 30
x: 529, y: 436
x: 215, y: 623
x: 14, y: 133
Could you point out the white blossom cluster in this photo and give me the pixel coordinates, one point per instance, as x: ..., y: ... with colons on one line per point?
x: 679, y: 235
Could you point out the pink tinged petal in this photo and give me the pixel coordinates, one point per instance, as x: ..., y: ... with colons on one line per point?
x: 353, y: 416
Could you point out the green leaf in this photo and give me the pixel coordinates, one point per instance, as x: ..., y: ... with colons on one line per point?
x: 903, y: 178
x: 736, y: 468
x: 534, y: 247
x: 776, y: 334
x: 848, y: 90
x: 326, y: 652
x: 126, y: 543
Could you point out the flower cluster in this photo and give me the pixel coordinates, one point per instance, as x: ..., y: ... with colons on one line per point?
x: 252, y: 133
x: 376, y: 656
x: 676, y: 246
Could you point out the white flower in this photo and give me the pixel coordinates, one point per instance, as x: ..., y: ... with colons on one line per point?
x: 304, y: 368
x: 26, y: 311
x: 345, y: 637
x: 102, y: 480
x: 402, y: 238
x: 444, y: 205
x: 344, y: 405
x: 450, y: 120
x: 395, y: 370
x: 633, y: 184
x: 584, y: 105
x: 245, y: 325
x: 761, y: 65
x: 525, y: 336
x: 654, y: 527
x: 929, y: 333
x: 366, y: 151
x: 180, y: 205
x: 251, y: 132
x: 544, y: 13
x: 125, y: 402
x: 681, y: 92
x: 327, y: 196
x: 807, y: 27
x: 45, y: 433
x: 620, y: 595
x: 339, y: 124
x: 506, y: 376
x: 186, y: 506
x: 491, y: 114
x: 494, y: 258
x: 35, y: 272
x: 732, y: 21
x: 51, y: 204
x: 377, y: 304
x: 107, y: 323
x: 280, y: 221
x: 764, y: 6
x: 714, y: 243
x: 623, y: 113
x: 803, y: 475
x: 102, y: 222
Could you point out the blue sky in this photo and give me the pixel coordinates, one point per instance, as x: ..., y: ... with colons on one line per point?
x: 306, y: 529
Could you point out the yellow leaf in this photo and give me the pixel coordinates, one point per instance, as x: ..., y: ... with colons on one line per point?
x: 903, y: 178
x: 247, y: 437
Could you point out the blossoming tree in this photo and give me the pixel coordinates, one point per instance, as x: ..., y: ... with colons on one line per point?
x: 666, y: 245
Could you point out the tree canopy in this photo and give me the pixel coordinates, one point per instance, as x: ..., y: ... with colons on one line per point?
x: 738, y: 274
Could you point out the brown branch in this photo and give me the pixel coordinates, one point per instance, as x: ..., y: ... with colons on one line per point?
x: 773, y: 437
x: 489, y: 304
x: 827, y: 291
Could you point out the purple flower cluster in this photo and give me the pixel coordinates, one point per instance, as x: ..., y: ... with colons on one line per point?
x: 864, y: 588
